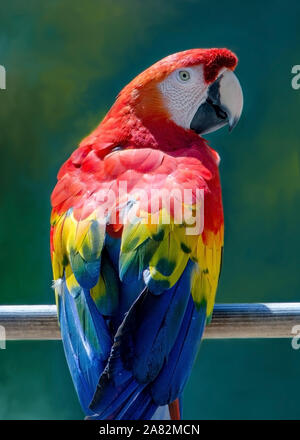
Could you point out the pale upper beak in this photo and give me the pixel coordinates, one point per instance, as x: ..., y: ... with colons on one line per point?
x: 223, y: 105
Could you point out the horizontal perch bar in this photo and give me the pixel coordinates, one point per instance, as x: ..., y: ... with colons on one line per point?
x: 230, y: 321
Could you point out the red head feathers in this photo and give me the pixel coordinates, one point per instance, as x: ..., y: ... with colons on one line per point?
x: 141, y: 104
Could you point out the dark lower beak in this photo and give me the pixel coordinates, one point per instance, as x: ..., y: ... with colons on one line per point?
x: 222, y: 106
x: 211, y: 115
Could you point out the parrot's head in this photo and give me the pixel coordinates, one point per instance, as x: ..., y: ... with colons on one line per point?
x: 196, y: 89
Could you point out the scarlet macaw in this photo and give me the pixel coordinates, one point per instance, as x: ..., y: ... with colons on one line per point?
x: 133, y: 297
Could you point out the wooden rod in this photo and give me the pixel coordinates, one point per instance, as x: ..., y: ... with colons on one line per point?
x: 230, y: 321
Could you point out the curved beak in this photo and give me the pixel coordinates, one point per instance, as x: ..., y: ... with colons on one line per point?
x: 223, y: 105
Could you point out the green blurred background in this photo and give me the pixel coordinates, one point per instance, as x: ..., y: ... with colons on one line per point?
x: 66, y: 61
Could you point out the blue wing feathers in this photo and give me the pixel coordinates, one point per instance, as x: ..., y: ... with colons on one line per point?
x: 146, y: 363
x: 150, y: 354
x: 86, y: 340
x: 171, y: 380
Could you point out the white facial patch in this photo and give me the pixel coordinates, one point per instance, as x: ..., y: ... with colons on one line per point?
x: 183, y: 91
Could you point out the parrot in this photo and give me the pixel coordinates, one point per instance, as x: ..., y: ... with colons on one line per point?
x: 135, y: 277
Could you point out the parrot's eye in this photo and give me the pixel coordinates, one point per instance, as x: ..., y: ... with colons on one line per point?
x: 184, y: 75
